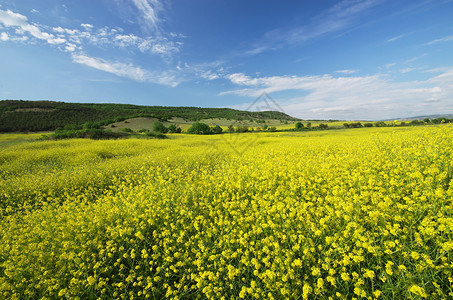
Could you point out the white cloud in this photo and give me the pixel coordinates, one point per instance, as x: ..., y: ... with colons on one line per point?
x: 4, y: 36
x: 58, y: 29
x: 346, y: 71
x: 35, y: 11
x: 117, y: 68
x: 69, y: 40
x: 395, y: 38
x: 444, y: 39
x: 149, y: 10
x: 208, y: 71
x: 408, y: 69
x: 11, y: 19
x: 389, y: 65
x: 366, y: 97
x: 71, y: 47
x: 18, y: 28
x: 87, y: 26
x: 126, y: 70
x: 126, y: 40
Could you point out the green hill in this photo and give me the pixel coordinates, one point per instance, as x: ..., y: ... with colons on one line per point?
x: 20, y: 115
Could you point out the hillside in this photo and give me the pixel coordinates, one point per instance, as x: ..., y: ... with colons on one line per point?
x: 431, y: 117
x: 20, y: 115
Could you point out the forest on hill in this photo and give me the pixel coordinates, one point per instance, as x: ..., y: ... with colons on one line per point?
x: 21, y: 115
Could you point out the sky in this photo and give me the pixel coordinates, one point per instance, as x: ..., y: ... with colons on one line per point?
x: 316, y: 59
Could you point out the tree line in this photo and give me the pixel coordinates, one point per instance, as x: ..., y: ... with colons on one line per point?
x: 19, y: 115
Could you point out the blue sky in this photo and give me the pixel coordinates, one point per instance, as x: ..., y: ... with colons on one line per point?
x: 318, y: 59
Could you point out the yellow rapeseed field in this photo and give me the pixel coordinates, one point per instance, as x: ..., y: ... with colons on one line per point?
x: 338, y: 214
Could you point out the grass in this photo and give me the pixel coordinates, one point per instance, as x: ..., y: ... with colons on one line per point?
x: 9, y: 139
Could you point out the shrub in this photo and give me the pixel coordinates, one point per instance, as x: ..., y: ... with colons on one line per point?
x: 199, y: 128
x: 356, y: 125
x: 159, y: 127
x: 216, y: 129
x: 95, y: 134
x: 172, y: 128
x: 156, y: 135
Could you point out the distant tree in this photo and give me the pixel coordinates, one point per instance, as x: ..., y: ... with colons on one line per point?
x: 242, y: 129
x: 346, y: 125
x: 299, y: 125
x: 356, y: 125
x: 216, y: 129
x: 368, y: 124
x: 90, y: 125
x: 159, y: 127
x: 199, y: 128
x: 380, y: 124
x: 308, y: 125
x: 323, y: 126
x: 230, y: 129
x: 273, y: 128
x: 265, y: 127
x: 173, y: 129
x: 426, y: 120
x: 439, y: 121
x: 127, y: 129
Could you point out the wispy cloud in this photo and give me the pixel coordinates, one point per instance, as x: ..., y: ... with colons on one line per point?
x: 126, y: 70
x: 338, y: 17
x: 346, y: 71
x: 444, y: 39
x: 72, y: 39
x: 408, y: 69
x: 75, y: 40
x: 389, y: 65
x: 412, y: 59
x: 20, y: 22
x: 207, y: 71
x: 361, y: 97
x: 396, y: 38
x: 149, y: 11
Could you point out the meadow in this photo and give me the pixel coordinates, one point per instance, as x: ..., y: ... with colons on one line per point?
x: 337, y: 214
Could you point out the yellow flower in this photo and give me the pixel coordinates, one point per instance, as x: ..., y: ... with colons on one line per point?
x: 417, y: 290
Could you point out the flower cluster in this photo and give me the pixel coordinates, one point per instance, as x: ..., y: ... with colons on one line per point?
x: 355, y: 214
